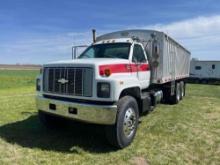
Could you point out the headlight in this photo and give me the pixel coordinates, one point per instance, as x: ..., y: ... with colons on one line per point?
x: 103, y: 90
x: 38, y: 84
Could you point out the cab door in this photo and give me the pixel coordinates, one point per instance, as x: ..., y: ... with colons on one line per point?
x: 140, y: 65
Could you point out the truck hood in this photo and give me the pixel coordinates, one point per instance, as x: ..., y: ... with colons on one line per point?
x: 90, y: 61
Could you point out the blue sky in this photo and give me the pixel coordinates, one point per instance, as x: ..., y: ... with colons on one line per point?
x: 44, y: 30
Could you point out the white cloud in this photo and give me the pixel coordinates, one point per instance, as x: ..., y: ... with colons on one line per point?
x: 196, y: 27
x: 200, y: 35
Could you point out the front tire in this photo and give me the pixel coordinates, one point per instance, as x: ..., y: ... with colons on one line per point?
x: 122, y: 133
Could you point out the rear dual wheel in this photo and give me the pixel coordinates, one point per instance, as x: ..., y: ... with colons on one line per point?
x: 179, y: 92
x: 182, y: 90
x: 177, y: 95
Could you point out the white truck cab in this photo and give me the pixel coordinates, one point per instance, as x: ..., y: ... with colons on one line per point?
x: 111, y: 83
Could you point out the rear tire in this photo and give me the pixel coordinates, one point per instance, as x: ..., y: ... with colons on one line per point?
x: 176, y: 97
x: 182, y: 90
x: 122, y: 133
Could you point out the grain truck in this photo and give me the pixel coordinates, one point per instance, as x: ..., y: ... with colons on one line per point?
x: 117, y: 78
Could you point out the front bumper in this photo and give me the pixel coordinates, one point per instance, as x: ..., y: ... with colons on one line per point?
x: 98, y: 114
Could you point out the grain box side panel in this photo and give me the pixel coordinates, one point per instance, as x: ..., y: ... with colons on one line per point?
x: 168, y: 59
x: 182, y: 63
x: 176, y: 61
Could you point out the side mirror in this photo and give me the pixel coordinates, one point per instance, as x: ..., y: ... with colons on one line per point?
x: 155, y: 54
x: 156, y: 51
x: 155, y: 64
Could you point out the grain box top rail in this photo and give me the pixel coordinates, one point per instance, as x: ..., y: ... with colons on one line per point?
x: 140, y: 33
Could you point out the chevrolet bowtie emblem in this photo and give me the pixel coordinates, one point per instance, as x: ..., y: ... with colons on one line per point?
x: 63, y: 81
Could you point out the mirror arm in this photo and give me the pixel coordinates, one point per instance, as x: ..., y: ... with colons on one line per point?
x: 74, y: 49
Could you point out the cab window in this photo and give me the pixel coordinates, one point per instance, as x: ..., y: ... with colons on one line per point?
x: 110, y: 50
x: 198, y: 67
x: 138, y: 54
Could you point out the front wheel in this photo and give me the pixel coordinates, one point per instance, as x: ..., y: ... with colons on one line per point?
x: 122, y: 133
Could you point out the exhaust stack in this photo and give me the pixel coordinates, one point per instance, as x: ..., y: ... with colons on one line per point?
x: 94, y: 35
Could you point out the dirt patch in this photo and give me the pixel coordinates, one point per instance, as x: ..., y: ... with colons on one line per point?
x: 138, y: 160
x: 212, y: 116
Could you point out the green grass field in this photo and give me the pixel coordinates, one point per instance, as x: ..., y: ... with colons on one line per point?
x: 187, y: 133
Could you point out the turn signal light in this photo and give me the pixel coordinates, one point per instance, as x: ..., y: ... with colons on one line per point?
x: 105, y: 72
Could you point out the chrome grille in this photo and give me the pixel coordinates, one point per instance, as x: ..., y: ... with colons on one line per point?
x: 68, y: 81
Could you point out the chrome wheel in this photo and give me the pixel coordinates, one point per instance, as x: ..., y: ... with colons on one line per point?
x: 129, y: 122
x: 178, y: 96
x: 182, y: 92
x: 178, y: 92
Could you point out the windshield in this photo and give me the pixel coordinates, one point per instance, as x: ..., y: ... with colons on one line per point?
x: 112, y: 50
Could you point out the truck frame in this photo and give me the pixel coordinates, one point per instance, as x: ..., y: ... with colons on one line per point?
x: 117, y: 78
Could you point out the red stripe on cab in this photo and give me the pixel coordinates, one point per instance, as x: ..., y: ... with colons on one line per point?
x: 123, y: 68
